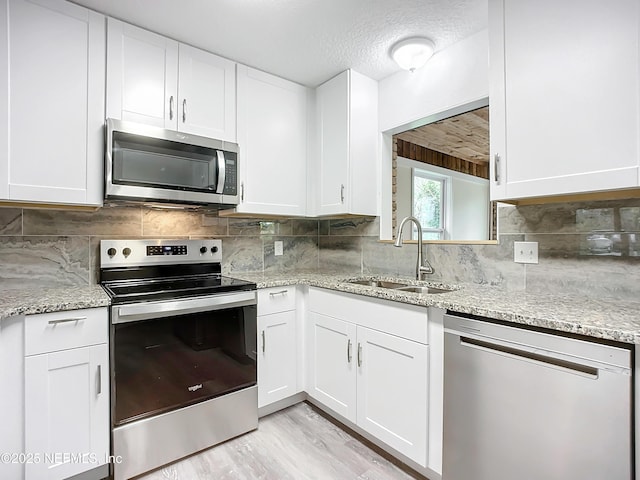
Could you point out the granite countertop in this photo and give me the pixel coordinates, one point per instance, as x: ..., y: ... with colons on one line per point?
x: 604, y: 318
x: 27, y: 301
x: 608, y: 319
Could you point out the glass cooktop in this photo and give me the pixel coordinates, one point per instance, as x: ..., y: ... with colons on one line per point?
x: 167, y: 288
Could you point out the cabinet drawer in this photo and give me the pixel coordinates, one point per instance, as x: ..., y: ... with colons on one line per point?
x: 276, y: 299
x: 50, y: 332
x: 402, y: 320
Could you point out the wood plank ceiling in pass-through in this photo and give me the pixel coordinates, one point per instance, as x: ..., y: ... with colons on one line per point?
x: 464, y: 136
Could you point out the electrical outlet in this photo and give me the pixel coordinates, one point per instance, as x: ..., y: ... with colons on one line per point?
x: 525, y: 252
x: 278, y: 248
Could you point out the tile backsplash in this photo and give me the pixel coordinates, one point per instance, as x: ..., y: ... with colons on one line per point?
x: 40, y: 247
x: 587, y: 248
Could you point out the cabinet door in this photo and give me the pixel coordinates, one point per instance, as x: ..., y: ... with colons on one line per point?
x: 333, y: 141
x: 347, y: 129
x: 277, y: 360
x: 67, y: 411
x: 332, y: 370
x: 207, y: 94
x: 571, y: 98
x: 392, y: 391
x: 272, y: 133
x: 142, y: 76
x: 362, y: 189
x: 52, y: 53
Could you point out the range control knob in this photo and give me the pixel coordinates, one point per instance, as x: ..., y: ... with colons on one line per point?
x: 126, y: 251
x: 111, y: 252
x: 203, y: 249
x: 214, y: 249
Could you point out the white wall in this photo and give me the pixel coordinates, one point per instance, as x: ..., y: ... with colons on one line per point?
x: 455, y: 80
x: 452, y: 77
x: 470, y: 209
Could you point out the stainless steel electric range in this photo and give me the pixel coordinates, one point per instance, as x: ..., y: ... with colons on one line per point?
x: 183, y: 351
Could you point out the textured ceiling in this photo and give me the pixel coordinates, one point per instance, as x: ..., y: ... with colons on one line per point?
x: 307, y: 41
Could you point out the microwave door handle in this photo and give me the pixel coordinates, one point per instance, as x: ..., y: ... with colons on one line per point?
x: 221, y: 172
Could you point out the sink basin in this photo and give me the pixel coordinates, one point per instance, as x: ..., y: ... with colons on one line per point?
x: 378, y: 283
x: 423, y: 290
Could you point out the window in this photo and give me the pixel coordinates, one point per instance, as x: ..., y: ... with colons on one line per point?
x: 429, y: 200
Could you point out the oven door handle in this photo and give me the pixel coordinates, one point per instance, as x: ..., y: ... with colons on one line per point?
x: 184, y: 306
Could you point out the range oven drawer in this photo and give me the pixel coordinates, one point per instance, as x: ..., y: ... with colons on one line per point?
x: 51, y: 332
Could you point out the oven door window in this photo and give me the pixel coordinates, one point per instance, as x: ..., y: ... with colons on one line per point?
x: 150, y: 162
x: 164, y: 364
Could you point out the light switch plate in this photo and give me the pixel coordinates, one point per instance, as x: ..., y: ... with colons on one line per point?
x: 278, y: 248
x: 525, y: 252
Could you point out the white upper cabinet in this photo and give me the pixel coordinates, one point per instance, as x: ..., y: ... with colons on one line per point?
x: 346, y: 171
x: 157, y: 81
x: 52, y: 102
x: 142, y: 76
x: 564, y: 96
x: 272, y: 134
x: 207, y: 94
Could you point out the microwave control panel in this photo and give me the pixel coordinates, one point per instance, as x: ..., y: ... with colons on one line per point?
x: 231, y: 174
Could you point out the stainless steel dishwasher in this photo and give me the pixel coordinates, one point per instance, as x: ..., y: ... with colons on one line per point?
x: 521, y: 404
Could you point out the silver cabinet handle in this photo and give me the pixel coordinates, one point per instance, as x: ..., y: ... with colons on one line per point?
x: 184, y: 110
x: 349, y: 351
x: 281, y: 292
x: 242, y: 191
x: 264, y: 342
x: 342, y: 193
x: 359, y: 354
x: 496, y: 168
x: 99, y: 379
x: 67, y: 320
x: 171, y: 107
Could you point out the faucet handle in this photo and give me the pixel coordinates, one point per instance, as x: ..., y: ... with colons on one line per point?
x: 426, y: 267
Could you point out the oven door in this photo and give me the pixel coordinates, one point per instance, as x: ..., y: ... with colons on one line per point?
x: 171, y: 354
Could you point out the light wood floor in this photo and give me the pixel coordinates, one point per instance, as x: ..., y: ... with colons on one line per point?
x: 297, y: 444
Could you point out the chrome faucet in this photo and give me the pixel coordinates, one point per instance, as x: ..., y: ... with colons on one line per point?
x: 421, y: 268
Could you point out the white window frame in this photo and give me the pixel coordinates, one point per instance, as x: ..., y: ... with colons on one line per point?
x: 444, y: 232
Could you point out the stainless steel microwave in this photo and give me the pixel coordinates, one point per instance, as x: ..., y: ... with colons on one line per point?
x: 151, y: 164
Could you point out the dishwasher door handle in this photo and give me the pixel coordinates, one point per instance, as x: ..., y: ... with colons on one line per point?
x: 537, y: 358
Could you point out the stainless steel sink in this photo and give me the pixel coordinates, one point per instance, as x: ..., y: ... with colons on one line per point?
x: 423, y: 290
x: 378, y: 283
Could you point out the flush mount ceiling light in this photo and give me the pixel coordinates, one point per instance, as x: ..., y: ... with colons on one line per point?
x: 412, y: 53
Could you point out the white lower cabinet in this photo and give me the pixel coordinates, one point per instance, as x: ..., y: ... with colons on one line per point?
x: 66, y: 393
x: 277, y: 345
x: 277, y: 357
x: 392, y: 391
x: 331, y: 364
x: 373, y: 378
